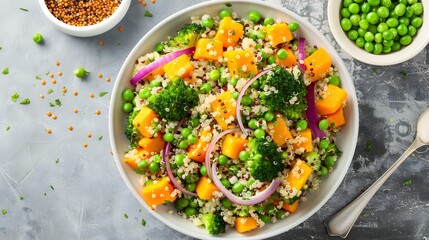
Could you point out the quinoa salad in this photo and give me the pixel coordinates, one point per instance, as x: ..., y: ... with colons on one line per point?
x: 233, y: 120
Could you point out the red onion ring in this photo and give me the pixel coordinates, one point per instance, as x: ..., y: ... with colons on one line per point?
x: 142, y: 73
x: 257, y: 198
x: 311, y: 112
x: 301, y: 54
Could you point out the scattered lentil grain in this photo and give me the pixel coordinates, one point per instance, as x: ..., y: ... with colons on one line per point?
x: 49, y: 131
x: 98, y: 112
x: 85, y: 145
x: 70, y: 128
x: 51, y: 75
x: 75, y: 93
x: 120, y: 28
x: 54, y: 117
x: 75, y: 110
x: 60, y: 74
x: 49, y: 114
x: 64, y: 90
x: 152, y: 1
x: 91, y: 95
x: 54, y: 81
x: 43, y: 82
x: 89, y: 135
x: 107, y: 79
x: 144, y: 3
x: 100, y: 75
x: 101, y: 43
x: 57, y: 63
x: 42, y: 96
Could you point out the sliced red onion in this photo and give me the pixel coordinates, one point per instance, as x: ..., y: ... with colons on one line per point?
x: 257, y: 198
x: 210, y: 149
x: 240, y: 96
x: 301, y: 54
x: 142, y: 73
x: 311, y: 112
x: 173, y: 180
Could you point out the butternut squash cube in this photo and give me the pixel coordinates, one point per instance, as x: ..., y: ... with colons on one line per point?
x: 279, y: 131
x: 197, y: 151
x: 299, y: 174
x: 318, y: 64
x: 233, y: 145
x: 143, y: 121
x: 223, y: 110
x: 289, y: 61
x: 306, y: 138
x: 133, y: 160
x: 278, y: 33
x: 336, y: 119
x: 332, y: 100
x: 152, y: 145
x: 156, y: 72
x: 245, y: 224
x: 240, y: 62
x: 229, y: 32
x: 208, y: 49
x: 205, y: 188
x: 291, y: 207
x: 180, y: 67
x: 158, y: 193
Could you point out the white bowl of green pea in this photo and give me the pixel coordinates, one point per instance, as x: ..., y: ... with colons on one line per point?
x: 380, y: 32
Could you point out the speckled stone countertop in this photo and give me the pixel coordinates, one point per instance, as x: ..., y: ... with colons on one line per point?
x: 74, y: 192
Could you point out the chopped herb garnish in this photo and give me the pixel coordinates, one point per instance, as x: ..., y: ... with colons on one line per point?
x: 15, y: 97
x: 102, y: 94
x: 100, y: 137
x: 125, y: 215
x: 38, y: 77
x: 4, y: 211
x: 44, y: 194
x: 7, y: 128
x: 368, y: 146
x: 148, y: 14
x: 50, y: 91
x: 404, y: 75
x: 1, y: 47
x: 58, y: 102
x: 140, y: 210
x: 24, y: 9
x: 365, y: 214
x: 21, y: 198
x: 25, y: 101
x: 51, y: 105
x: 143, y: 222
x: 5, y: 71
x: 57, y: 160
x: 52, y: 187
x: 228, y: 4
x: 47, y: 73
x: 408, y: 183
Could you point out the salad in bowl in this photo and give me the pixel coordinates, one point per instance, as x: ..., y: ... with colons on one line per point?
x: 233, y: 121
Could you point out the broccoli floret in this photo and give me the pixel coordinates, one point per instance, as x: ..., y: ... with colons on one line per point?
x: 174, y: 101
x: 187, y: 36
x: 131, y: 132
x: 214, y: 223
x: 288, y: 95
x: 265, y: 161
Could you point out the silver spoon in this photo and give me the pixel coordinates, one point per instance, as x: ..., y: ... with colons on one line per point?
x: 342, y: 222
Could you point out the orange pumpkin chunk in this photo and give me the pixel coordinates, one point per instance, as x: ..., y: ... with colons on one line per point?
x: 180, y: 67
x: 318, y: 64
x: 223, y: 109
x: 208, y: 49
x: 143, y: 121
x: 289, y: 61
x: 152, y: 145
x: 299, y: 174
x: 229, y: 32
x: 332, y: 100
x: 197, y: 151
x: 306, y: 138
x: 336, y: 119
x: 158, y: 193
x: 240, y: 62
x: 279, y: 131
x: 278, y: 33
x: 156, y: 72
x: 132, y: 162
x: 233, y: 145
x: 245, y: 224
x: 205, y: 188
x: 291, y: 207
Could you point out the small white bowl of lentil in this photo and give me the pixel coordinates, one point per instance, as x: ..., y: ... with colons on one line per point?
x: 85, y: 18
x: 410, y: 36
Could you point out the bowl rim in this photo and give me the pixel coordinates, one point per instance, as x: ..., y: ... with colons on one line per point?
x: 340, y: 65
x: 97, y: 28
x: 420, y: 41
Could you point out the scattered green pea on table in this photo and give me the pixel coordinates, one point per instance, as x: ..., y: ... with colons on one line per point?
x: 381, y: 26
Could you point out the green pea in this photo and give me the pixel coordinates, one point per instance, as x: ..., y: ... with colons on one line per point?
x: 183, y: 144
x: 355, y: 19
x: 409, y: 12
x: 396, y: 46
x: 323, y: 124
x: 392, y: 22
x: 206, y: 87
x: 190, y: 186
x: 282, y: 54
x: 80, y: 72
x: 142, y: 164
x: 159, y: 47
x: 404, y: 20
x: 244, y: 155
x: 382, y: 27
x: 369, y: 37
x: 417, y: 8
x: 412, y: 31
x: 265, y: 218
x: 366, y: 8
x: 346, y: 3
x: 364, y: 24
x: 235, y: 95
x: 388, y: 43
x: 233, y: 81
x: 271, y: 59
x: 383, y: 12
x: 224, y: 13
x: 369, y: 47
x: 411, y: 2
x: 168, y: 137
x: 155, y: 83
x: 222, y: 159
x: 157, y: 158
x: 237, y: 187
x: 406, y: 40
x: 260, y: 34
x: 190, y: 211
x: 352, y: 35
x: 269, y: 116
x: 194, y: 122
x: 182, y: 203
x: 345, y: 13
x: 324, y: 144
x: 346, y: 24
x: 360, y: 42
x: 233, y: 169
x: 387, y: 35
x: 185, y: 132
x: 334, y: 80
x: 148, y: 182
x: 361, y: 32
x: 301, y: 125
x: 203, y: 170
x: 373, y: 29
x: 127, y: 107
x: 402, y: 29
x: 214, y: 75
x: 145, y: 93
x: 378, y: 38
x: 254, y: 16
x: 226, y: 202
x: 394, y: 31
x: 400, y: 9
x: 193, y: 203
x: 417, y: 22
x: 329, y: 161
x: 192, y: 139
x: 378, y: 48
x: 253, y: 124
x: 280, y: 213
x: 153, y: 167
x: 207, y: 22
x: 323, y: 171
x: 225, y: 182
x: 270, y: 209
x: 259, y: 133
x: 374, y: 3
x: 293, y: 26
x: 268, y: 21
x: 354, y: 8
x: 386, y: 3
x: 179, y: 159
x: 246, y: 101
x: 37, y: 38
x: 372, y: 18
x: 387, y: 49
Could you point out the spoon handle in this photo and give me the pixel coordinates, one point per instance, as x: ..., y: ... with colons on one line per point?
x: 341, y: 223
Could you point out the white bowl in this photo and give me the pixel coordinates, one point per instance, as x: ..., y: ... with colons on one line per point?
x: 117, y: 118
x: 92, y: 30
x: 420, y: 40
